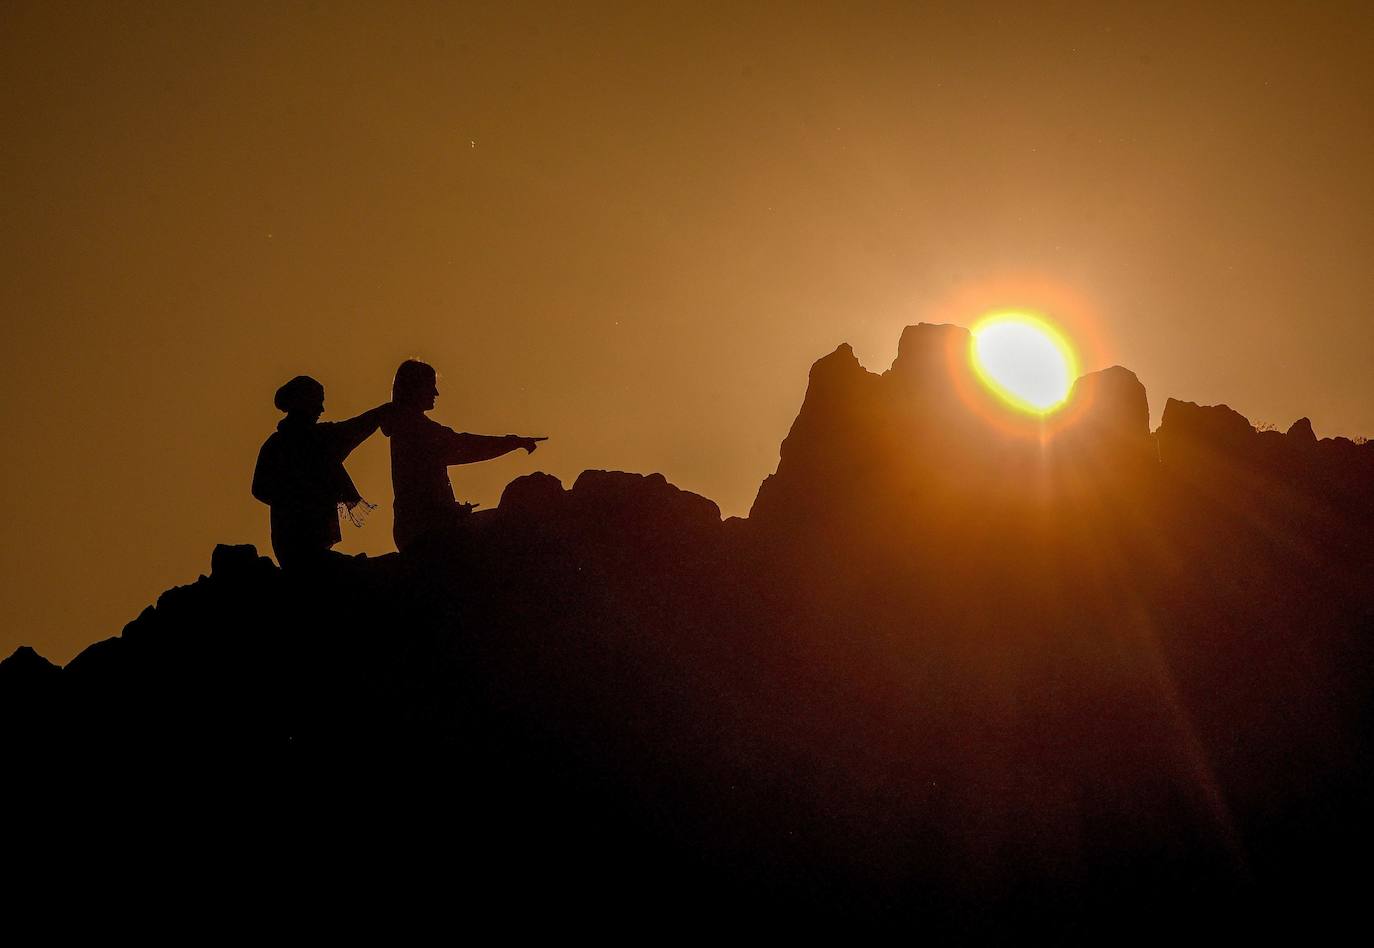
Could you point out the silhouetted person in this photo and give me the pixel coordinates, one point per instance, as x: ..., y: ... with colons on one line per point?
x: 300, y: 472
x: 421, y: 452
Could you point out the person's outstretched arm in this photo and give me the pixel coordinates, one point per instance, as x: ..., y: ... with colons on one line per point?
x: 458, y: 447
x: 349, y: 434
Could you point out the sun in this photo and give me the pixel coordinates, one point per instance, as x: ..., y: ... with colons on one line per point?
x: 1024, y: 360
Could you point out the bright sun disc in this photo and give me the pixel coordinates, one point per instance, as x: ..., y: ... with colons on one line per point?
x: 1024, y: 360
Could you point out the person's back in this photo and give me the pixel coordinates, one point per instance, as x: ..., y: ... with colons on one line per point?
x: 300, y: 473
x: 421, y: 452
x: 293, y: 477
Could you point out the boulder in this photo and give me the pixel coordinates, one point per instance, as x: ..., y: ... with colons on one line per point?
x: 1189, y: 431
x: 622, y: 496
x: 238, y: 561
x: 1300, y: 433
x: 536, y: 495
x: 1115, y: 404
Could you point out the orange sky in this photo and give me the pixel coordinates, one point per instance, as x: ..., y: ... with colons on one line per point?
x: 631, y: 228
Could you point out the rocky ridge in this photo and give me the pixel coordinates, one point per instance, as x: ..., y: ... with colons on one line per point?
x: 955, y: 668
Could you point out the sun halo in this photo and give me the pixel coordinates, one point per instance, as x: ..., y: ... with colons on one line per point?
x: 1024, y: 360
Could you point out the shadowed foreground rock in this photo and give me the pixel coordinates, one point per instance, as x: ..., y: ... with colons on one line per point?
x: 955, y: 671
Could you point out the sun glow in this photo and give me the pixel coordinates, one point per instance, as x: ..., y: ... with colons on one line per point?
x: 1024, y: 360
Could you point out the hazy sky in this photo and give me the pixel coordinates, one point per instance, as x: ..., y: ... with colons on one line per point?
x: 631, y: 228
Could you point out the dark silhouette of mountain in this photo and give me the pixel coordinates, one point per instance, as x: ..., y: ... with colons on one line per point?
x: 975, y: 674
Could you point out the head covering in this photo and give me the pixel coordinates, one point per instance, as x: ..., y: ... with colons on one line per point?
x: 301, y: 394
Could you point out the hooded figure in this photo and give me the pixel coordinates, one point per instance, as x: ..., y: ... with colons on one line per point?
x: 423, y: 449
x: 300, y: 473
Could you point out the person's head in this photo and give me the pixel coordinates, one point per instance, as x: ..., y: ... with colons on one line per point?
x: 301, y: 397
x: 416, y: 385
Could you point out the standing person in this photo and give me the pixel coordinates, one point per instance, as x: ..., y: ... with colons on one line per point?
x: 300, y: 473
x: 423, y: 449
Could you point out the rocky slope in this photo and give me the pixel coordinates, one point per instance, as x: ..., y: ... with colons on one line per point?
x: 955, y: 669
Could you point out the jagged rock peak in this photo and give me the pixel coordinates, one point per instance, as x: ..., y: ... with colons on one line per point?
x: 927, y: 344
x: 1187, y: 428
x: 1301, y: 431
x: 840, y: 364
x: 1116, y: 401
x: 1210, y: 422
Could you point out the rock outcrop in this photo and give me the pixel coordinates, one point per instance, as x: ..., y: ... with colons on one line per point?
x: 1301, y: 432
x: 957, y: 670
